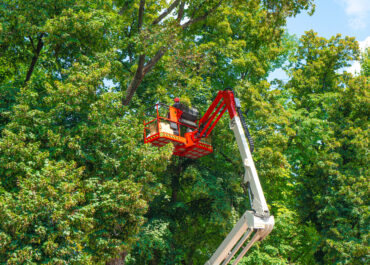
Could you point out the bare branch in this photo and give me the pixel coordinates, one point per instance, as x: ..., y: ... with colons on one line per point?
x: 181, y: 11
x: 203, y: 17
x: 135, y: 82
x: 166, y: 12
x: 148, y: 67
x: 141, y: 72
x: 142, y: 69
x: 141, y: 15
x: 33, y: 45
x: 35, y: 57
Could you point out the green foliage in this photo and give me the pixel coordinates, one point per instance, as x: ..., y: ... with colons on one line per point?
x: 329, y: 115
x: 77, y: 184
x: 75, y: 176
x: 365, y: 63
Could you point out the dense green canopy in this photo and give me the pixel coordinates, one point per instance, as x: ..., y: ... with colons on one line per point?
x: 77, y: 183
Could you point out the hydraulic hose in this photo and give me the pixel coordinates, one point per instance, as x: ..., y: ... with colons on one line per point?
x: 247, y: 134
x: 244, y: 124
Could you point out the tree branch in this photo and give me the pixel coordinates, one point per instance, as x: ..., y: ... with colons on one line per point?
x: 181, y: 11
x: 142, y: 69
x: 148, y: 67
x: 135, y: 82
x: 141, y: 15
x: 228, y: 159
x: 203, y: 17
x: 166, y: 12
x: 243, y: 185
x: 33, y: 45
x: 35, y: 57
x: 139, y: 71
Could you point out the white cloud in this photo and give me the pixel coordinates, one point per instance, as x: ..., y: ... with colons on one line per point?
x: 356, y: 67
x: 364, y: 44
x: 358, y: 12
x: 355, y: 7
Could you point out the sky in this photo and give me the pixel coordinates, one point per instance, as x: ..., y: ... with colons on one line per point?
x: 347, y: 17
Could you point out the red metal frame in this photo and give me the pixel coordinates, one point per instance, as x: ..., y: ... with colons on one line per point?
x: 161, y: 138
x: 192, y: 145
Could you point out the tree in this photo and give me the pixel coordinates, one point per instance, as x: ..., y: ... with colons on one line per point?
x: 65, y: 133
x: 79, y: 186
x: 327, y: 150
x: 75, y: 177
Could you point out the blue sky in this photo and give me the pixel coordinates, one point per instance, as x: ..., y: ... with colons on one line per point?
x: 347, y: 17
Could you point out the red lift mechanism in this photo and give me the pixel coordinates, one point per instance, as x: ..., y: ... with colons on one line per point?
x: 180, y: 125
x: 189, y: 141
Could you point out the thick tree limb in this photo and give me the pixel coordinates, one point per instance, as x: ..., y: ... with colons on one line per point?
x: 166, y: 12
x: 141, y: 15
x: 203, y: 17
x: 33, y: 45
x: 180, y: 14
x: 142, y: 69
x: 35, y: 57
x: 148, y: 67
x: 139, y: 71
x: 136, y: 81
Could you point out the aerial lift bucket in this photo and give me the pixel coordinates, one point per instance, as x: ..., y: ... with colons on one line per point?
x: 165, y: 127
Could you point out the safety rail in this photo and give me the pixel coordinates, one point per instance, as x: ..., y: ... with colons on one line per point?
x: 161, y: 110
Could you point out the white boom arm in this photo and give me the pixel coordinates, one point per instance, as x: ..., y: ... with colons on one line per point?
x: 257, y: 221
